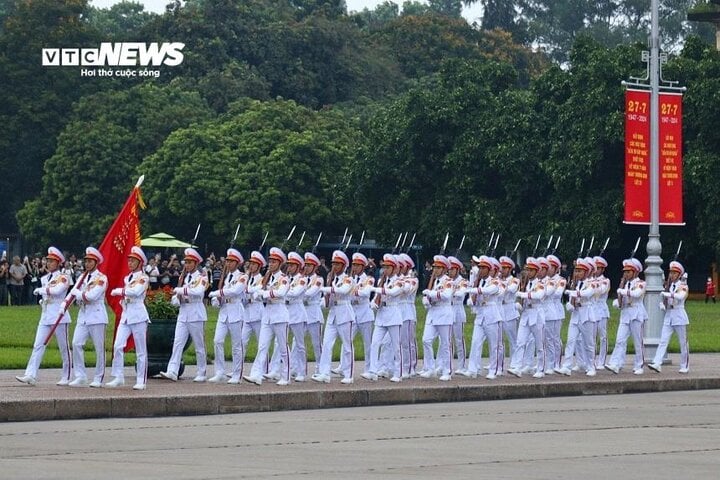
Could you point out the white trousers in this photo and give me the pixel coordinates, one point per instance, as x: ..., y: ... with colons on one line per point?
x: 365, y: 331
x: 61, y: 335
x: 510, y: 329
x: 268, y: 331
x: 527, y: 335
x: 196, y: 331
x: 298, y: 354
x: 444, y: 358
x: 249, y: 328
x: 553, y: 343
x: 378, y: 337
x: 347, y: 354
x: 636, y: 327
x: 315, y: 331
x: 492, y: 332
x: 581, y: 345
x: 81, y: 335
x: 603, y: 341
x: 460, y: 349
x: 413, y: 346
x: 667, y: 331
x: 222, y: 330
x: 139, y: 333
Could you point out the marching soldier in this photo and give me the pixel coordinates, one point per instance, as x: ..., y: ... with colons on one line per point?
x: 439, y: 321
x: 510, y: 314
x: 272, y: 291
x: 230, y: 318
x: 53, y: 290
x: 133, y: 321
x: 488, y: 320
x: 191, y: 319
x: 632, y: 317
x: 603, y: 313
x: 91, y: 320
x: 581, y: 331
x: 339, y: 321
x: 313, y: 298
x: 530, y: 294
x: 360, y: 301
x: 675, y: 320
x: 459, y: 316
x: 388, y: 320
x: 253, y: 308
x: 297, y: 316
x: 408, y: 339
x: 555, y: 314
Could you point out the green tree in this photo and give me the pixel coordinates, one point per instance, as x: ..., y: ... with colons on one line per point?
x: 93, y: 168
x: 123, y: 21
x: 265, y: 165
x: 35, y: 100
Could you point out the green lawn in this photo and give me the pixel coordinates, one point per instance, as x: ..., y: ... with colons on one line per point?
x: 18, y: 324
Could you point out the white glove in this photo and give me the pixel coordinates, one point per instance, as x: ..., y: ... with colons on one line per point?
x: 76, y: 293
x: 569, y: 307
x: 572, y: 293
x: 666, y: 294
x: 175, y: 301
x: 214, y: 294
x: 518, y: 306
x: 616, y: 303
x: 328, y: 289
x: 622, y: 291
x: 373, y: 305
x: 426, y: 302
x: 521, y: 294
x: 427, y: 292
x: 116, y: 292
x: 257, y: 295
x: 215, y: 302
x: 38, y: 291
x: 469, y: 302
x: 178, y: 290
x: 662, y: 306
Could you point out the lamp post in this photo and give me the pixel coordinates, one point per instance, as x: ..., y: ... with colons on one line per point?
x: 653, y: 270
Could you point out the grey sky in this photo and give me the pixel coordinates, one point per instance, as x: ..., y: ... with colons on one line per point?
x: 471, y: 14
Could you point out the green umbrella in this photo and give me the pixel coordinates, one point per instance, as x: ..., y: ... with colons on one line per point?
x: 163, y: 240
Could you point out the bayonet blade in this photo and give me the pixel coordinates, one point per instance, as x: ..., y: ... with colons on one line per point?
x: 237, y: 230
x: 447, y: 236
x: 592, y: 240
x: 344, y: 236
x: 264, y: 240
x: 397, y: 242
x: 557, y: 242
x: 637, y: 244
x: 497, y: 239
x: 348, y: 242
x: 290, y: 234
x: 302, y: 237
x: 678, y: 249
x: 412, y: 242
x: 517, y: 245
x: 582, y: 247
x: 197, y: 231
x: 318, y: 239
x: 362, y: 238
x: 462, y: 242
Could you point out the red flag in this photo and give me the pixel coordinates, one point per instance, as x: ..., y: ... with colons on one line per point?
x: 120, y: 238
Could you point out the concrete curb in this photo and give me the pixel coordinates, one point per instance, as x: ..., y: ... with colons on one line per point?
x: 119, y: 404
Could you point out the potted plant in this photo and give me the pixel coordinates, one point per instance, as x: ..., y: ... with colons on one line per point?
x: 161, y: 330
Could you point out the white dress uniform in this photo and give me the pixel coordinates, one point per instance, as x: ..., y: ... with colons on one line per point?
x: 632, y: 321
x: 53, y: 288
x: 339, y: 323
x: 191, y: 319
x: 487, y: 325
x: 133, y: 321
x: 581, y: 331
x: 253, y: 311
x: 555, y: 314
x: 315, y: 318
x: 364, y: 316
x: 438, y: 323
x: 460, y: 285
x: 510, y: 313
x: 92, y: 320
x: 388, y: 322
x: 274, y: 324
x: 408, y: 337
x: 531, y: 326
x: 603, y: 313
x: 676, y: 320
x: 297, y: 320
x: 230, y: 321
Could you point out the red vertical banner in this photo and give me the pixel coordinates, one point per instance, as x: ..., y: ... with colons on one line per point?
x: 671, y: 181
x: 637, y: 156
